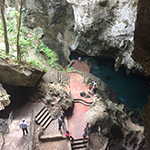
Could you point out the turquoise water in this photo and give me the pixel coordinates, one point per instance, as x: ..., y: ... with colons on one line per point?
x: 132, y: 90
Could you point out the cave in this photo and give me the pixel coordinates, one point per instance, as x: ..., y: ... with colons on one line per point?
x: 18, y: 97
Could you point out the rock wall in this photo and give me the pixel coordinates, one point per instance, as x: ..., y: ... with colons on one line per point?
x: 106, y: 28
x: 117, y: 130
x: 56, y: 18
x: 141, y: 54
x: 94, y: 27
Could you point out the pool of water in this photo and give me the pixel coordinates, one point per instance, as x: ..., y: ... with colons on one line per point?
x: 132, y: 90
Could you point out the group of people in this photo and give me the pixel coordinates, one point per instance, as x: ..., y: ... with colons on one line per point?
x: 86, y: 131
x: 67, y: 133
x: 60, y: 123
x: 93, y: 88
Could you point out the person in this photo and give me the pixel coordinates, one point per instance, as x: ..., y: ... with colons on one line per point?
x: 94, y: 84
x: 23, y: 126
x: 84, y: 135
x: 94, y: 89
x: 87, y: 127
x: 67, y: 134
x: 89, y: 87
x: 79, y: 59
x: 60, y: 122
x: 99, y: 130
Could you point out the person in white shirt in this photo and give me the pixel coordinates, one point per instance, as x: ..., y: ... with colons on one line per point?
x: 23, y: 126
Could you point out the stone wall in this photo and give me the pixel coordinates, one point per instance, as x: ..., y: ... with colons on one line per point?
x: 141, y: 54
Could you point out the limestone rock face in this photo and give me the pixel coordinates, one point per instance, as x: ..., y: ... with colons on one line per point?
x: 117, y: 130
x: 18, y: 75
x: 56, y: 19
x: 55, y: 96
x: 93, y: 27
x: 106, y: 28
x: 141, y: 54
x: 4, y: 98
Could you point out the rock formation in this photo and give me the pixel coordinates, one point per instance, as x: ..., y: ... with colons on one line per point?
x: 117, y: 130
x: 18, y: 75
x: 141, y: 54
x: 54, y: 96
x: 96, y: 28
x: 4, y: 98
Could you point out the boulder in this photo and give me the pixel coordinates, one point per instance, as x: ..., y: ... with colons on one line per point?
x: 19, y: 74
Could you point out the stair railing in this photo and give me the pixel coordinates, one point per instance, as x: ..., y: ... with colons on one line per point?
x: 31, y: 129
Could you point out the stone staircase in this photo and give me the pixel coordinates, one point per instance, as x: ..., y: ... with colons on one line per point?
x: 79, y: 144
x: 62, y: 78
x: 43, y: 117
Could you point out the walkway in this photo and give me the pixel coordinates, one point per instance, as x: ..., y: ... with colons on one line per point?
x: 76, y: 120
x: 80, y: 66
x: 15, y: 140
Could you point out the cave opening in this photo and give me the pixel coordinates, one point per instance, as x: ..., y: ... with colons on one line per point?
x: 18, y: 97
x: 132, y: 90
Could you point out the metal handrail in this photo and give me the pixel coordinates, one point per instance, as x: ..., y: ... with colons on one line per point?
x: 31, y: 131
x: 6, y: 129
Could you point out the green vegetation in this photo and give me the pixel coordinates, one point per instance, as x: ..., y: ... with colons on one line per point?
x: 52, y: 56
x: 33, y: 63
x: 25, y: 42
x: 5, y: 96
x: 69, y: 69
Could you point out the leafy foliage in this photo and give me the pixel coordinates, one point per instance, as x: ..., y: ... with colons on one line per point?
x: 69, y: 69
x: 52, y: 56
x: 5, y: 96
x: 33, y: 62
x: 25, y: 41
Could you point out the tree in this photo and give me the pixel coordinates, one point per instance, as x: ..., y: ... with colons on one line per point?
x: 16, y: 8
x: 4, y: 26
x: 18, y: 33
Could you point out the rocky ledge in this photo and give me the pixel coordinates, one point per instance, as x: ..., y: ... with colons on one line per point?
x: 19, y: 74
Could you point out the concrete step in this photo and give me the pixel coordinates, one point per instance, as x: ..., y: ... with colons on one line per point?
x: 40, y: 113
x: 82, y: 102
x: 40, y: 120
x: 46, y: 119
x: 79, y: 144
x: 43, y: 117
x: 47, y: 123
